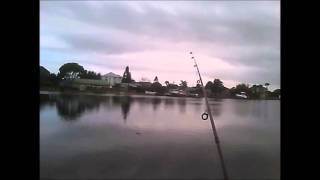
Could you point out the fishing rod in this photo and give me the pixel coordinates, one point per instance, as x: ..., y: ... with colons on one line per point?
x: 205, y: 117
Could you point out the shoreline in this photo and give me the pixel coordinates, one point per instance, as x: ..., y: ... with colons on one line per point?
x: 47, y: 91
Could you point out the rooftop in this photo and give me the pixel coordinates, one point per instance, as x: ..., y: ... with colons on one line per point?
x: 111, y: 74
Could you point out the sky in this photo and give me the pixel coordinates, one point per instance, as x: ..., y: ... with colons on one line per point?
x: 235, y: 41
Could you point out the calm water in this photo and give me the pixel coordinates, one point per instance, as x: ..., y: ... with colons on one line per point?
x: 90, y: 136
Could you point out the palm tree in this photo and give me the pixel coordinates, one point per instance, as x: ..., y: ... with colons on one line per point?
x: 155, y: 79
x: 126, y: 78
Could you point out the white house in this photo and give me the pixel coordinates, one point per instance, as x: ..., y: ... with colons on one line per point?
x: 112, y: 78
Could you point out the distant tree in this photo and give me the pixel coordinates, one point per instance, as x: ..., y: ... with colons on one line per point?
x: 217, y: 86
x: 268, y: 94
x: 53, y: 79
x: 59, y: 76
x: 233, y: 91
x: 83, y: 74
x: 44, y: 71
x: 157, y: 87
x: 44, y: 74
x: 126, y: 78
x: 259, y: 91
x: 183, y: 84
x: 156, y: 79
x: 198, y: 90
x: 276, y: 93
x: 241, y: 88
x: 47, y: 78
x: 89, y: 75
x: 209, y: 85
x: 218, y: 83
x: 256, y: 91
x: 172, y: 86
x: 70, y: 71
x: 267, y: 84
x: 167, y: 83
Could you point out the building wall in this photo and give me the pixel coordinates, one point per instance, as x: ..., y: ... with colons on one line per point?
x: 90, y: 82
x: 117, y: 80
x: 111, y: 81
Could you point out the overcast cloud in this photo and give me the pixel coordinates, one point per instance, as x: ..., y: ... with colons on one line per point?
x: 236, y: 41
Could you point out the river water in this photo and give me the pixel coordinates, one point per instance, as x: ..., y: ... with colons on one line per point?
x: 148, y: 137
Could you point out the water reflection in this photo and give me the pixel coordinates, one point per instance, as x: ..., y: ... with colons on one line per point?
x: 143, y: 102
x: 255, y: 108
x: 215, y: 106
x: 242, y: 107
x: 73, y: 107
x: 182, y: 105
x: 125, y: 107
x: 216, y: 109
x: 215, y: 99
x: 172, y: 144
x: 46, y: 100
x: 155, y: 103
x: 124, y: 102
x: 168, y: 103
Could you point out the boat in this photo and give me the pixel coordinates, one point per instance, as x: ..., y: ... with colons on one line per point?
x: 178, y: 93
x: 242, y: 95
x: 150, y: 93
x: 193, y: 95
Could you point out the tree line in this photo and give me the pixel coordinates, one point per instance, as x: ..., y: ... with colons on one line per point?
x: 214, y: 88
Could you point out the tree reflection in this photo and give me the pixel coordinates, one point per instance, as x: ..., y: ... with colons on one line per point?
x: 45, y: 100
x: 156, y: 102
x: 216, y: 109
x: 182, y: 104
x: 197, y: 104
x: 168, y: 102
x: 143, y: 102
x: 215, y: 99
x: 242, y: 107
x: 71, y: 107
x: 125, y: 107
x: 124, y: 102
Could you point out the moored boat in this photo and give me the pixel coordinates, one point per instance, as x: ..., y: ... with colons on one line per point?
x: 242, y: 95
x: 150, y: 93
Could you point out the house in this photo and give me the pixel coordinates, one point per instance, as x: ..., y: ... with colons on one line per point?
x: 112, y: 79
